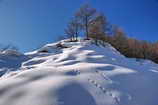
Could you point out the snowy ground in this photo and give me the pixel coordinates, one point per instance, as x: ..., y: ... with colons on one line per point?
x: 82, y: 74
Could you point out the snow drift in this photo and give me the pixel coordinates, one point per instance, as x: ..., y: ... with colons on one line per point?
x: 80, y: 73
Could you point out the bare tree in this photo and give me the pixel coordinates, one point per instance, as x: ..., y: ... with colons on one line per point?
x: 145, y: 49
x: 119, y: 40
x: 86, y: 14
x: 97, y: 28
x: 70, y: 32
x: 76, y: 26
x: 73, y: 29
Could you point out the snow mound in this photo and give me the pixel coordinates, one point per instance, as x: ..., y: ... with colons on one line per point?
x: 80, y: 73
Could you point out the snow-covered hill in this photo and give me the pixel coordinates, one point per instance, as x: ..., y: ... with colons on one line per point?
x: 79, y: 73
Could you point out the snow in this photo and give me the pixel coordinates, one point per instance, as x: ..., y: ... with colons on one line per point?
x: 81, y: 74
x: 10, y: 60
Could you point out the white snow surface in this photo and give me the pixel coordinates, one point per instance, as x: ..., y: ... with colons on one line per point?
x: 82, y: 74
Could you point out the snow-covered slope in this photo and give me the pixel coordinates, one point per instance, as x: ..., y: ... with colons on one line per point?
x: 80, y: 73
x: 11, y: 60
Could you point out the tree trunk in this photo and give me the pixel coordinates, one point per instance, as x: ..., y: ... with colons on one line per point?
x: 86, y: 26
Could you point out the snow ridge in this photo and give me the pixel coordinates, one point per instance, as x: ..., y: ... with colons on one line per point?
x: 80, y: 73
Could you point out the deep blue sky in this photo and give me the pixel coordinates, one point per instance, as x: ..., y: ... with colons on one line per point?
x: 32, y: 23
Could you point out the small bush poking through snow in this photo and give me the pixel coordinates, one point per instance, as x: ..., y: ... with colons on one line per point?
x: 43, y: 51
x: 60, y: 45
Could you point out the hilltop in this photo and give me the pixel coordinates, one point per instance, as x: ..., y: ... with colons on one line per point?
x: 77, y: 73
